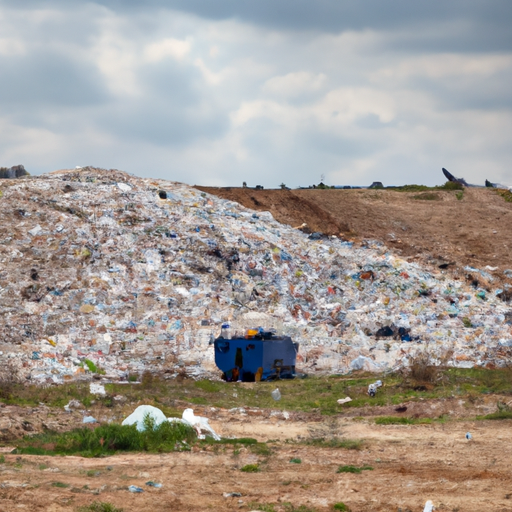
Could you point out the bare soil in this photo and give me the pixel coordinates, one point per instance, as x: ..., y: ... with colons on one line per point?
x: 431, y: 227
x: 411, y: 464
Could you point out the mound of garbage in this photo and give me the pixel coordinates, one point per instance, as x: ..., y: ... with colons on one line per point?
x: 104, y: 272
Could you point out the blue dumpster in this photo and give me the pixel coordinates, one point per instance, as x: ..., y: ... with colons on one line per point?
x: 253, y: 358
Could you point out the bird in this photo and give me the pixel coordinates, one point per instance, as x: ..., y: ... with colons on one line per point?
x: 469, y: 436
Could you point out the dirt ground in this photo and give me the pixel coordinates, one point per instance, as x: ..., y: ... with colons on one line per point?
x: 475, y: 230
x: 411, y: 464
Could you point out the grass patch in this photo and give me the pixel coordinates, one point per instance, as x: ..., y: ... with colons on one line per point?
x: 398, y: 420
x: 500, y: 415
x: 295, y: 461
x: 91, y: 366
x: 264, y: 507
x: 505, y: 194
x: 99, y: 506
x: 314, y: 394
x: 60, y: 484
x: 459, y: 195
x: 251, y: 468
x: 341, y: 506
x: 353, y: 469
x: 346, y: 444
x: 109, y: 439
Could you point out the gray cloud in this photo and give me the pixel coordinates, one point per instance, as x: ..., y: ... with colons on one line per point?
x: 268, y: 92
x: 47, y: 78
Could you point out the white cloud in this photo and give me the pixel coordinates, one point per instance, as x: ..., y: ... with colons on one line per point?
x: 294, y: 84
x: 169, y: 47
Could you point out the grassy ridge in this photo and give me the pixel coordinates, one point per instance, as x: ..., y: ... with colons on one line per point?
x: 318, y: 394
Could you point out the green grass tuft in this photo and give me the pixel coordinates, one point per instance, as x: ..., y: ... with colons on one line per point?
x: 341, y: 506
x: 60, y: 484
x: 500, y: 415
x: 506, y: 194
x: 251, y: 468
x: 400, y: 420
x: 99, y: 506
x: 353, y: 469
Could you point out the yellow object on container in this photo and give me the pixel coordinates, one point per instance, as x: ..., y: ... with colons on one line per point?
x: 251, y: 333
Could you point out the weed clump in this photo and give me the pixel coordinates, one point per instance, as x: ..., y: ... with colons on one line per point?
x: 422, y: 371
x: 341, y: 506
x: 251, y: 468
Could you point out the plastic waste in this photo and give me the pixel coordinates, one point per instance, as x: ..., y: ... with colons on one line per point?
x: 344, y: 400
x: 372, y: 388
x: 276, y: 394
x: 137, y: 416
x: 429, y: 506
x: 199, y: 423
x: 134, y: 488
x: 232, y: 494
x: 97, y: 389
x: 469, y: 436
x: 89, y: 419
x: 154, y: 484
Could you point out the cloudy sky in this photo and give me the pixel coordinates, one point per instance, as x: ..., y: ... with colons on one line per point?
x: 263, y: 91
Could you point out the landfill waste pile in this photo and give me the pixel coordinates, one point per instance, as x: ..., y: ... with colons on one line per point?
x: 105, y: 273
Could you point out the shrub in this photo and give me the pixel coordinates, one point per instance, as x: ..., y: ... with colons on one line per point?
x: 341, y: 506
x: 422, y: 370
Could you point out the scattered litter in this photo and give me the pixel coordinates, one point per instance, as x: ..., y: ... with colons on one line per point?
x: 154, y: 484
x: 97, y: 389
x: 199, y: 423
x: 429, y: 506
x: 232, y: 495
x: 276, y: 394
x: 73, y: 404
x: 372, y: 388
x: 89, y: 419
x: 469, y: 436
x: 344, y: 400
x: 35, y: 231
x: 134, y: 488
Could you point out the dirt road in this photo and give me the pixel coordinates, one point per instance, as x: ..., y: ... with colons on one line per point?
x: 411, y: 464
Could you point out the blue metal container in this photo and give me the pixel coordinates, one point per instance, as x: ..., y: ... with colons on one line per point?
x: 260, y: 357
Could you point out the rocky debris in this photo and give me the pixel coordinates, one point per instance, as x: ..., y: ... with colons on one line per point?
x: 102, y: 273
